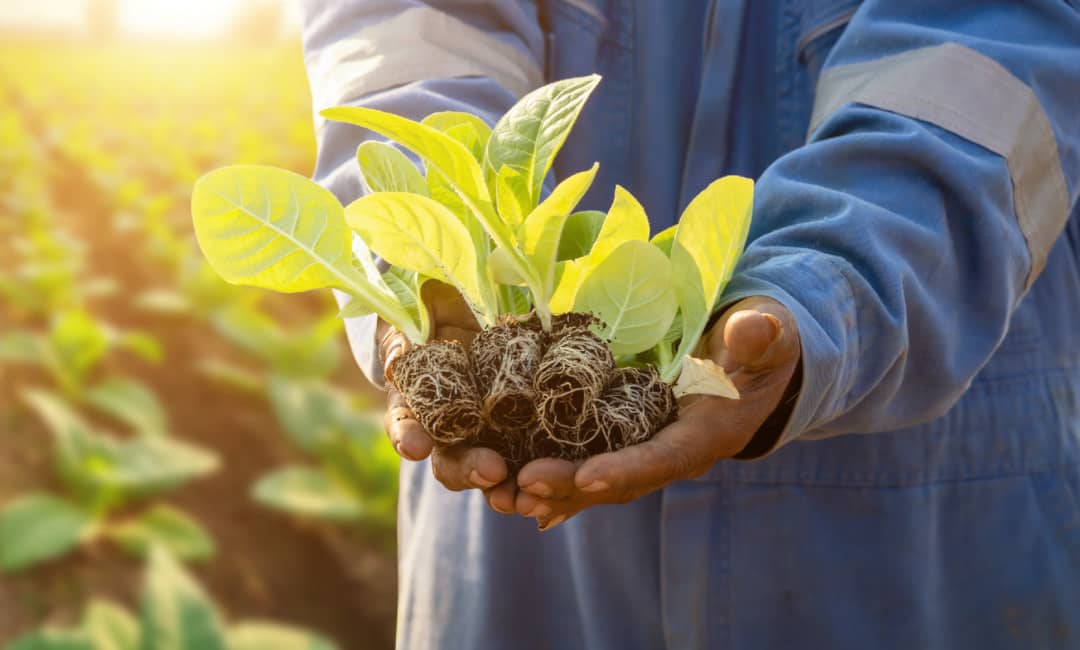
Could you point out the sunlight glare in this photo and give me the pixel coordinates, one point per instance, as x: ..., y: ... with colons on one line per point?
x: 177, y: 17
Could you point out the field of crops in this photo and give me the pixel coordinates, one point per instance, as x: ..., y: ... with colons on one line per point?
x: 164, y: 434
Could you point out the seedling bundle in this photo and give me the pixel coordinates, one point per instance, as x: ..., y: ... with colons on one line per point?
x: 588, y: 325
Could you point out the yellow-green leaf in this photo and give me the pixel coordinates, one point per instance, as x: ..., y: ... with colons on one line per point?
x: 386, y: 169
x: 710, y: 237
x: 418, y: 234
x: 271, y: 228
x: 512, y: 207
x: 543, y: 227
x: 630, y: 292
x: 466, y: 128
x: 626, y: 221
x: 530, y: 134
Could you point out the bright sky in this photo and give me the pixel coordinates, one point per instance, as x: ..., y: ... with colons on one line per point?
x: 142, y: 17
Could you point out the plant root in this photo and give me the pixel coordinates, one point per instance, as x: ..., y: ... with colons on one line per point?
x: 635, y: 404
x: 564, y: 324
x: 436, y: 381
x: 529, y: 394
x: 572, y: 373
x: 504, y: 360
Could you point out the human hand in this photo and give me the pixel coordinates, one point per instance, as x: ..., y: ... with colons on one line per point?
x: 457, y: 467
x: 757, y: 343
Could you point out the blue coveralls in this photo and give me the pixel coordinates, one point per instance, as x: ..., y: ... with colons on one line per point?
x: 925, y: 236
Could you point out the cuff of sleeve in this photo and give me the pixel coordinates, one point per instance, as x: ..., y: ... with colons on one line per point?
x: 812, y: 287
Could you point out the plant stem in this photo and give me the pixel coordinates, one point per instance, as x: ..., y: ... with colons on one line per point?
x: 664, y: 354
x: 386, y: 307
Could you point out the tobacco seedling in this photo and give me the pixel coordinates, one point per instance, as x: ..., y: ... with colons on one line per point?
x: 73, y: 351
x: 586, y: 323
x: 175, y: 613
x: 355, y: 478
x: 103, y: 475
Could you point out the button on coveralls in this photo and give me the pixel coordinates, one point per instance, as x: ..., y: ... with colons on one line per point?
x: 917, y: 166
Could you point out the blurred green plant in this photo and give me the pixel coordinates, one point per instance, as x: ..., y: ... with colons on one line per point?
x: 175, y: 613
x: 355, y: 475
x: 104, y: 478
x: 74, y: 349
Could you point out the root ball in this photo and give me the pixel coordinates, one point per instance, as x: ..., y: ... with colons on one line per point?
x: 504, y: 360
x: 436, y: 381
x: 635, y: 404
x: 572, y: 373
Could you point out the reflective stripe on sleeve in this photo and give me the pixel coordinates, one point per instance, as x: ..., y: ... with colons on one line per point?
x: 414, y: 45
x: 971, y: 95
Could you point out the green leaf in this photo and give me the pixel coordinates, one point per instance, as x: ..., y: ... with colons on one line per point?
x: 418, y: 234
x: 466, y: 128
x: 21, y: 346
x: 110, y: 626
x: 512, y: 204
x: 709, y: 239
x: 231, y: 375
x: 311, y: 350
x: 310, y: 412
x: 271, y: 228
x: 579, y: 233
x: 664, y: 239
x: 386, y: 169
x: 543, y: 227
x: 129, y: 401
x: 527, y: 138
x: 406, y: 285
x: 309, y: 492
x: 49, y: 639
x: 39, y: 527
x: 451, y: 158
x: 502, y: 268
x: 164, y: 526
x: 140, y: 344
x: 258, y: 635
x: 630, y: 291
x: 455, y: 164
x: 78, y: 453
x: 149, y: 465
x: 626, y: 221
x: 78, y: 341
x: 175, y: 613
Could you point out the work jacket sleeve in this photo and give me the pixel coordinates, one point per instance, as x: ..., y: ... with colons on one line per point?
x: 942, y: 163
x: 411, y: 58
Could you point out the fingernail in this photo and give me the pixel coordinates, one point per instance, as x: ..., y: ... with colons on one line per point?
x: 776, y: 327
x: 540, y: 489
x: 479, y: 481
x: 500, y: 510
x: 541, y: 510
x: 596, y: 486
x: 553, y: 523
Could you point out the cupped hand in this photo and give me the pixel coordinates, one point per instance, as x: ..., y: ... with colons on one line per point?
x: 456, y: 467
x: 757, y: 343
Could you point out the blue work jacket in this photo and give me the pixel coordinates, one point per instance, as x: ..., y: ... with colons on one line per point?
x: 918, y: 166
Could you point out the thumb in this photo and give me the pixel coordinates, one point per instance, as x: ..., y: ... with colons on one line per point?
x: 759, y: 334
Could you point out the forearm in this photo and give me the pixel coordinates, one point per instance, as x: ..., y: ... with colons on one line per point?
x: 904, y: 234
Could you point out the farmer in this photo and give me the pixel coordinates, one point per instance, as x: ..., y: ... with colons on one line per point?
x: 902, y: 469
